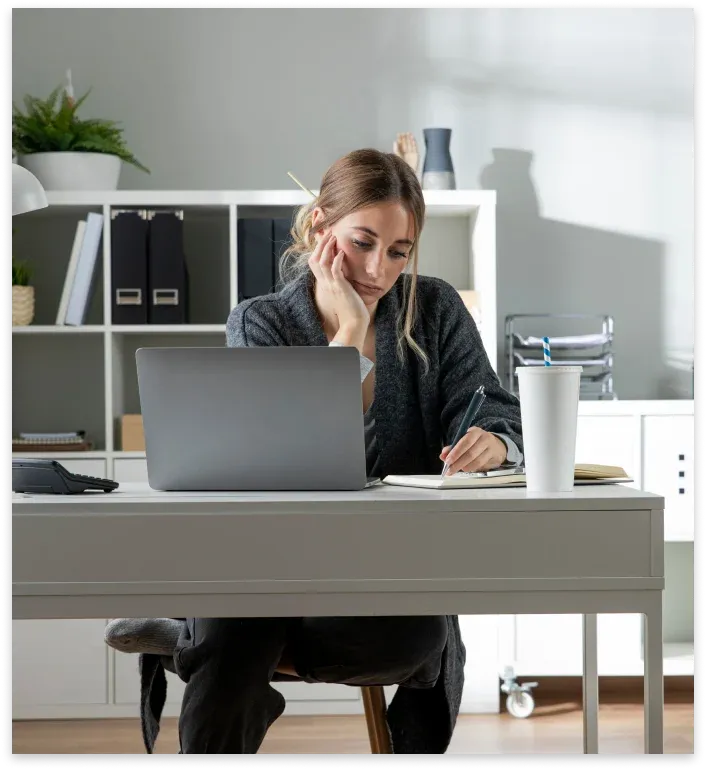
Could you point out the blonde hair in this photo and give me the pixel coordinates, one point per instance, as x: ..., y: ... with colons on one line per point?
x: 359, y: 179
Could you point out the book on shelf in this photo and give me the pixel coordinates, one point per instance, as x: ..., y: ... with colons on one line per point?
x: 36, y: 449
x: 65, y: 435
x: 84, y: 278
x: 71, y: 272
x: 65, y: 441
x: 583, y: 474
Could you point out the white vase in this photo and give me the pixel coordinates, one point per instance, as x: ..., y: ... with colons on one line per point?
x: 74, y: 170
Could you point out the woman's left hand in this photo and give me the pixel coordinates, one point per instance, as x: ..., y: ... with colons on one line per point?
x: 477, y: 451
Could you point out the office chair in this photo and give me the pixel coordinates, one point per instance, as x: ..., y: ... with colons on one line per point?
x: 123, y: 636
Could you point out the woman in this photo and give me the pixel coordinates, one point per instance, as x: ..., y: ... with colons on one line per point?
x: 352, y: 280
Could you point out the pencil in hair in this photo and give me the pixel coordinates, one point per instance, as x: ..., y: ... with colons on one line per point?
x: 306, y: 189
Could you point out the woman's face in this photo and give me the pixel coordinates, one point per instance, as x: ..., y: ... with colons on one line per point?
x: 376, y: 241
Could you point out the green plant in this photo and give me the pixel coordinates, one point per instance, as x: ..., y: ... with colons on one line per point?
x: 21, y: 273
x: 52, y: 125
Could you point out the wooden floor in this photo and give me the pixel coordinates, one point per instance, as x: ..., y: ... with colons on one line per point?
x: 552, y: 729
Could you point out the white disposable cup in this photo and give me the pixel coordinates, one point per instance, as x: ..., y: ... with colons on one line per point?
x: 549, y: 401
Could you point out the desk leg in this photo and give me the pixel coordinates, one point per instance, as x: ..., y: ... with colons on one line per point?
x: 654, y: 675
x: 590, y: 684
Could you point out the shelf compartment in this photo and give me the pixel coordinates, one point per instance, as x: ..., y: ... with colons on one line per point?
x: 45, y: 241
x: 207, y: 248
x: 58, y: 384
x: 125, y: 393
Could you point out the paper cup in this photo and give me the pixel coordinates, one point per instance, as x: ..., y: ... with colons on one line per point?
x: 549, y: 401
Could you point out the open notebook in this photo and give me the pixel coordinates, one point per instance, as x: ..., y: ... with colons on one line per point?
x: 583, y: 474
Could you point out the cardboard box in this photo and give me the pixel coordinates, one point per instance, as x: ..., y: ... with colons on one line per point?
x: 133, y: 436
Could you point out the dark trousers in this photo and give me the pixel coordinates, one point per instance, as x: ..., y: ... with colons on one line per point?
x: 228, y: 664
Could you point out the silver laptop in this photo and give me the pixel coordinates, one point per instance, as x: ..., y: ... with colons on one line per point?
x: 262, y: 418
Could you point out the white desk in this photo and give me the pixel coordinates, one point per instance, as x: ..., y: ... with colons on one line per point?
x: 382, y: 551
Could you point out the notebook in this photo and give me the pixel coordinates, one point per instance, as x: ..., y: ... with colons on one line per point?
x: 583, y: 474
x: 68, y: 441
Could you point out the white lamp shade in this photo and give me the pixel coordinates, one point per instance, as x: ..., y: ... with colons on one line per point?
x: 27, y: 192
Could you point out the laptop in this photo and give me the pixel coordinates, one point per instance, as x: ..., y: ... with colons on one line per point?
x: 260, y: 418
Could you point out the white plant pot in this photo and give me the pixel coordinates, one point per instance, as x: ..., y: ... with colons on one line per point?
x: 74, y: 170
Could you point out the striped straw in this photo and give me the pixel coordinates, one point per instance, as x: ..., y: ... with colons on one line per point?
x: 547, y: 352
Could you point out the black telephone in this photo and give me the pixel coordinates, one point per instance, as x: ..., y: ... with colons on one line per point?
x: 51, y: 478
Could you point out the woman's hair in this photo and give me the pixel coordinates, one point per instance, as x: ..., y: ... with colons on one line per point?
x: 357, y: 180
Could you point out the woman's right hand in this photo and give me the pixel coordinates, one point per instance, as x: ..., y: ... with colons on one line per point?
x: 339, y: 297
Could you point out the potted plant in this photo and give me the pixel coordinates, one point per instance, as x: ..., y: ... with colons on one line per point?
x: 64, y: 151
x: 22, y: 294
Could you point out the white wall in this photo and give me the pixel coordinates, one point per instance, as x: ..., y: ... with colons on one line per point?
x: 602, y: 100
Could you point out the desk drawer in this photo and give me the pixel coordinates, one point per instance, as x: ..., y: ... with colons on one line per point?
x: 207, y: 546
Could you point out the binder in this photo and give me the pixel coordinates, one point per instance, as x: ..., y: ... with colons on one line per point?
x: 282, y: 240
x: 128, y: 268
x: 84, y: 279
x: 167, y: 275
x: 255, y: 258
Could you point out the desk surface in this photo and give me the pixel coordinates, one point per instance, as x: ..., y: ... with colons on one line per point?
x: 380, y: 498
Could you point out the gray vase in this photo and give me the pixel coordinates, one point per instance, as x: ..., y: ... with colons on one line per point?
x: 438, y: 170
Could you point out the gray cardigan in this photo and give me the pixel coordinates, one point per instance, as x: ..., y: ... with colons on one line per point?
x: 416, y: 414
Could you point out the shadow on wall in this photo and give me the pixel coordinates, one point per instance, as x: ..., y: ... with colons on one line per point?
x: 548, y: 266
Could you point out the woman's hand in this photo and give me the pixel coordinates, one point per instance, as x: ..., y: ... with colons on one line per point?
x: 477, y: 451
x: 337, y: 294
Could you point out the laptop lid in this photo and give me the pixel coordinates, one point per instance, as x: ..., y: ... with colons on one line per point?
x: 261, y: 418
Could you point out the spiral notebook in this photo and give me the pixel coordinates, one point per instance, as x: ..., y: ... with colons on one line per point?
x: 584, y: 474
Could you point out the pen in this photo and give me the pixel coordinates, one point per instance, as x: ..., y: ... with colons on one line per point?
x: 471, y: 412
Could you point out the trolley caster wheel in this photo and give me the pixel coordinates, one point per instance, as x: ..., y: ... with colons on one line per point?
x: 520, y: 704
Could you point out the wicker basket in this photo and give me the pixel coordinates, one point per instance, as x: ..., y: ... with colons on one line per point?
x: 22, y: 305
